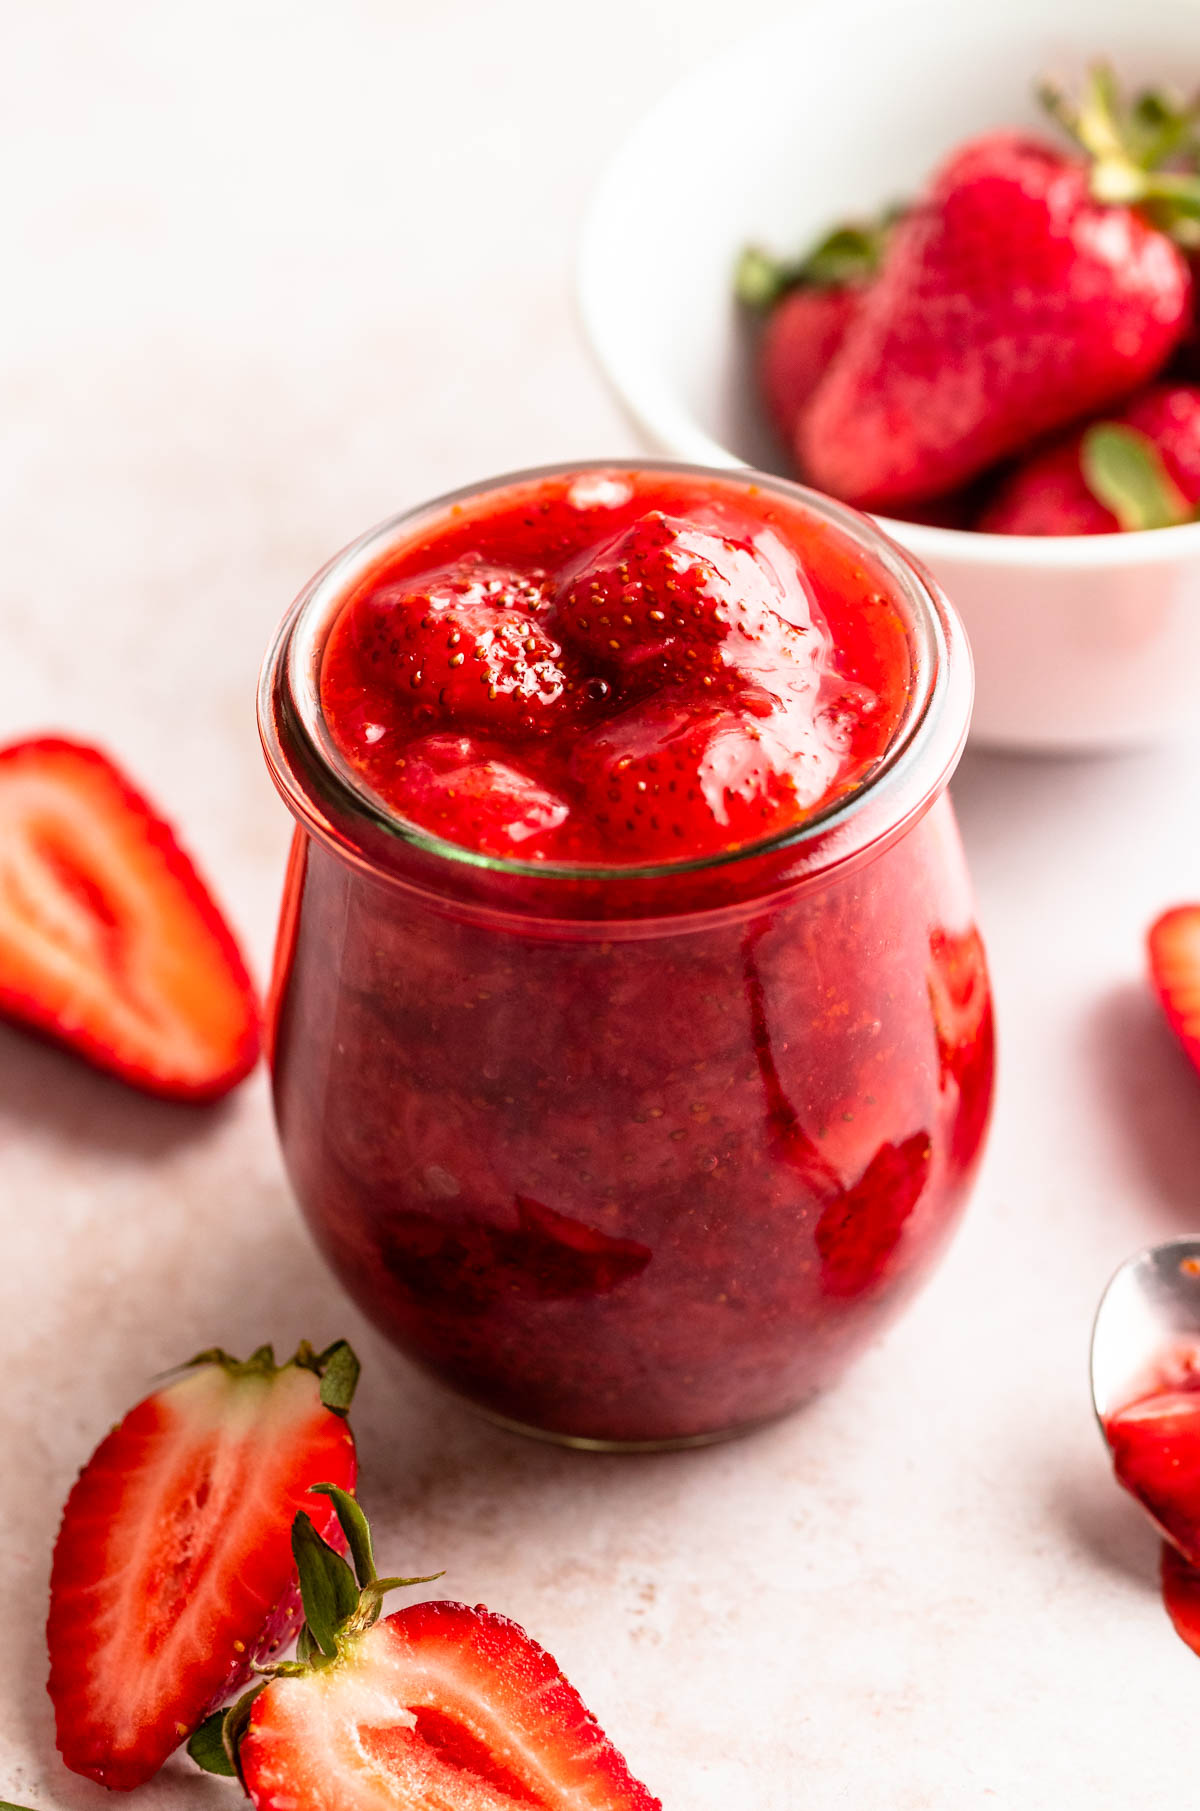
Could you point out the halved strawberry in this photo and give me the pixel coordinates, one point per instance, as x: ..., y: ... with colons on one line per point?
x: 460, y: 789
x: 173, y: 1570
x: 1173, y: 944
x: 438, y: 1706
x: 109, y: 940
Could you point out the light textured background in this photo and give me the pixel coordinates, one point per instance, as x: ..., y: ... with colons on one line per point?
x: 270, y: 272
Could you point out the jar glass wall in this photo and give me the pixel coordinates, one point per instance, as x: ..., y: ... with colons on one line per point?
x: 631, y: 1156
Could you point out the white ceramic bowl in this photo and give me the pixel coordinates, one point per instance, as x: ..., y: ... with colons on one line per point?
x: 1083, y: 642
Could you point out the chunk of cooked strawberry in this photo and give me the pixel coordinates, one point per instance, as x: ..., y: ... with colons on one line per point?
x: 464, y: 645
x: 440, y: 1706
x: 465, y: 1262
x: 960, y: 996
x: 959, y: 993
x: 671, y: 780
x: 1155, y: 1445
x: 668, y: 599
x: 465, y: 792
x: 860, y: 1229
x: 1173, y: 946
x: 173, y: 1571
x: 110, y: 942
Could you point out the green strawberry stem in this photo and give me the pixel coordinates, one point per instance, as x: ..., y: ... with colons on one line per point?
x: 849, y: 254
x: 339, y: 1605
x: 337, y: 1368
x: 1124, y: 471
x: 207, y: 1747
x: 1128, y: 144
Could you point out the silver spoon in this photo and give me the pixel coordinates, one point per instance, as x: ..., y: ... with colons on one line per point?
x: 1151, y: 1305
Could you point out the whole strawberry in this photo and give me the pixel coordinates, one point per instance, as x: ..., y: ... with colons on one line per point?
x: 1139, y: 470
x: 808, y: 308
x: 799, y: 341
x: 1028, y: 289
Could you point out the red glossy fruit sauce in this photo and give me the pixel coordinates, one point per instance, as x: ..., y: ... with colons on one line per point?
x: 627, y: 668
x: 1155, y: 1445
x: 619, y: 1155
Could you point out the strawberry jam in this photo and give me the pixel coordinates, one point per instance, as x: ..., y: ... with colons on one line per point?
x: 632, y: 1036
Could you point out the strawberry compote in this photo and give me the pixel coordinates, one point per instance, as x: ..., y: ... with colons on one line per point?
x: 632, y: 1036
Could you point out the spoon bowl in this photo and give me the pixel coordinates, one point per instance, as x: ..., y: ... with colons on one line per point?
x: 1150, y: 1309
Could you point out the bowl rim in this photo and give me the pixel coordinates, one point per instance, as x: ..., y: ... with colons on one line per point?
x: 639, y: 389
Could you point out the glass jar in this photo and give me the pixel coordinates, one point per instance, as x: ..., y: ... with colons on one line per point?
x: 631, y: 1156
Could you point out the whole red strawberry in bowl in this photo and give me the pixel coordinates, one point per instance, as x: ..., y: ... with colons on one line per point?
x: 1027, y: 272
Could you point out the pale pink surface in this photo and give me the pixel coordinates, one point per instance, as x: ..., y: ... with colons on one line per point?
x: 209, y: 380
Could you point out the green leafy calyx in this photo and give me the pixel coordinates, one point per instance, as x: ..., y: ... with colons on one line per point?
x: 1124, y: 471
x: 207, y: 1746
x: 336, y: 1368
x: 849, y: 254
x: 1144, y: 152
x: 341, y: 1602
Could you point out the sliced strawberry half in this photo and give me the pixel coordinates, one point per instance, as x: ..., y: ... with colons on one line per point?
x: 173, y: 1571
x: 1173, y: 944
x: 437, y: 1706
x: 109, y: 940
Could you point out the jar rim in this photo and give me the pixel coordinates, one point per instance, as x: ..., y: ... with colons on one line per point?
x: 292, y: 722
